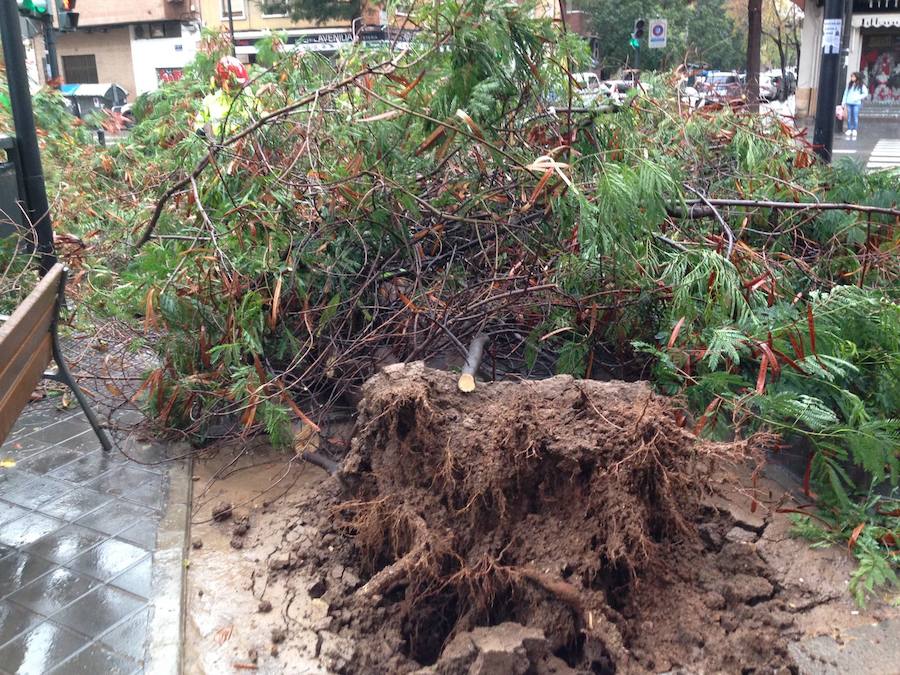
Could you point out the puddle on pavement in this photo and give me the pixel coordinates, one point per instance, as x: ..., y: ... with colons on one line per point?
x: 225, y: 631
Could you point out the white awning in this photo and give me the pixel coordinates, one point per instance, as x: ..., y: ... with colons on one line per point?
x: 886, y: 20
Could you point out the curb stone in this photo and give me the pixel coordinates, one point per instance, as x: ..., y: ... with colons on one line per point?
x: 165, y: 644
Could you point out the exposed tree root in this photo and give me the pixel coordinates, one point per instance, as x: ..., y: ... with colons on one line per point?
x: 538, y: 502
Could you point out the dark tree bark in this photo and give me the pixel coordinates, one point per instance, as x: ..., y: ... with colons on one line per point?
x: 778, y: 39
x: 754, y: 40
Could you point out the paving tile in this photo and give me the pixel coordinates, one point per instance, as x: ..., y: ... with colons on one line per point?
x: 37, y: 417
x: 19, y: 450
x: 98, y: 611
x: 58, y: 432
x: 130, y: 637
x: 13, y: 479
x: 117, y: 516
x: 134, y: 484
x: 84, y: 442
x: 75, y: 504
x: 39, y: 650
x: 128, y: 416
x: 10, y: 512
x: 53, y: 591
x: 148, y: 456
x: 43, y: 414
x: 48, y: 460
x: 142, y: 533
x: 27, y: 529
x: 38, y: 491
x: 13, y: 621
x: 108, y: 559
x: 89, y: 467
x: 77, y: 531
x: 94, y: 660
x: 19, y: 569
x: 66, y: 543
x: 137, y: 579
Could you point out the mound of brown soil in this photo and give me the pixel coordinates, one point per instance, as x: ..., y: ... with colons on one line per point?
x: 565, y: 506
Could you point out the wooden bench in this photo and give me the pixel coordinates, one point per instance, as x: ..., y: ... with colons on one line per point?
x: 29, y: 342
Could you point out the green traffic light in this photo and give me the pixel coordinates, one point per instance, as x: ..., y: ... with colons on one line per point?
x: 634, y: 42
x: 32, y: 6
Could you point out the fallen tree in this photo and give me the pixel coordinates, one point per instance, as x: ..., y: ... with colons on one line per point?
x: 392, y: 206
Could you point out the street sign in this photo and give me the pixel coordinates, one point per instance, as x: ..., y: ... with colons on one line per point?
x: 659, y: 33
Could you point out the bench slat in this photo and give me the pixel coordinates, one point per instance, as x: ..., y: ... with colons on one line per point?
x: 14, y: 330
x: 26, y: 347
x: 16, y: 398
x: 10, y: 369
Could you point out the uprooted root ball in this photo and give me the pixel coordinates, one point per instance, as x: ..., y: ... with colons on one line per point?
x: 538, y: 502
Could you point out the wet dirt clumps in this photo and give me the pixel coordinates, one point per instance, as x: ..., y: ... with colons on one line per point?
x: 566, y: 507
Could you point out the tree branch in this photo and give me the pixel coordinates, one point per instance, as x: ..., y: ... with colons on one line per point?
x: 265, y: 119
x: 698, y: 209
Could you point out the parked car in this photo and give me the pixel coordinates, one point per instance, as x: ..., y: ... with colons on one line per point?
x: 589, y: 87
x: 785, y: 85
x: 689, y: 95
x: 768, y: 91
x: 586, y: 89
x: 625, y: 83
x: 722, y: 84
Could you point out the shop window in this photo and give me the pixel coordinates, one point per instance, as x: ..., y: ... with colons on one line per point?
x: 157, y: 29
x: 880, y: 65
x: 80, y: 69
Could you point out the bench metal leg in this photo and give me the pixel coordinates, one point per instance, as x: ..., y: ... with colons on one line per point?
x: 64, y: 375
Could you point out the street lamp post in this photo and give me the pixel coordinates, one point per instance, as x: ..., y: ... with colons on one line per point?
x: 231, y: 28
x: 826, y: 99
x: 50, y: 43
x: 37, y: 206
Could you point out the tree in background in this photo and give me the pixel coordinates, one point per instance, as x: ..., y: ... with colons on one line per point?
x: 754, y: 42
x: 781, y: 25
x: 320, y: 10
x: 781, y: 21
x: 714, y: 37
x: 699, y: 31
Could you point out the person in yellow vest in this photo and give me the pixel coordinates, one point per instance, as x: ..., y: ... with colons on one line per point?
x: 221, y: 110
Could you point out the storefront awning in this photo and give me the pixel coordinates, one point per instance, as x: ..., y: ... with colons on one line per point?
x: 886, y: 20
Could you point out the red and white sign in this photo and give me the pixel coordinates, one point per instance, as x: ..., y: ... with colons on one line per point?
x: 659, y: 33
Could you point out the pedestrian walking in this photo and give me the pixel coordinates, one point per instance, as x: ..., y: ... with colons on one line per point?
x: 852, y: 101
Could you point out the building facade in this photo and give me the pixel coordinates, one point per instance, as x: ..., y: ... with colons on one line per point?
x: 254, y: 19
x: 872, y: 48
x: 137, y: 45
x: 141, y: 44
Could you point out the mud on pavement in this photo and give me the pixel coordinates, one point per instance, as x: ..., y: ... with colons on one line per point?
x: 536, y: 527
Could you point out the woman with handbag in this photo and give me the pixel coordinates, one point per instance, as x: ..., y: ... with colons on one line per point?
x: 852, y: 102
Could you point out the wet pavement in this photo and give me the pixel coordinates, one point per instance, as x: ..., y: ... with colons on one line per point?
x: 83, y: 568
x: 877, y: 145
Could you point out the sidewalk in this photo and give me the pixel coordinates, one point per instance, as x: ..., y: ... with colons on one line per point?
x: 91, y: 549
x: 873, y: 132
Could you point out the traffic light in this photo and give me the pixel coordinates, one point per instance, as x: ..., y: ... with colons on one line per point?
x: 637, y: 33
x: 68, y: 17
x: 35, y: 9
